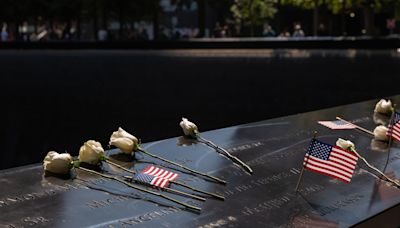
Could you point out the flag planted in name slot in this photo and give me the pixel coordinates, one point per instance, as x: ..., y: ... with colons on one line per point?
x: 330, y: 160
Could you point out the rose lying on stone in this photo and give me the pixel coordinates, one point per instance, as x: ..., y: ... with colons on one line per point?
x: 345, y: 144
x: 380, y: 133
x: 384, y: 106
x: 124, y: 141
x: 189, y: 128
x: 91, y: 152
x: 57, y: 163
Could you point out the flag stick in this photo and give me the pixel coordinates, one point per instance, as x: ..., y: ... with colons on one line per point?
x: 173, y: 182
x: 357, y: 127
x: 183, y: 167
x: 140, y: 189
x: 302, y: 169
x: 300, y: 178
x: 390, y: 137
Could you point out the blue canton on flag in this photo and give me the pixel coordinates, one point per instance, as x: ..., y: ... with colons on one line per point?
x: 330, y: 160
x: 151, y: 180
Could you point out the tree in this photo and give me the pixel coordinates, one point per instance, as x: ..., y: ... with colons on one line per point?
x: 253, y: 12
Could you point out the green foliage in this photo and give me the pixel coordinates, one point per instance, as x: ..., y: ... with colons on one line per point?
x: 336, y: 6
x: 253, y: 12
x: 306, y: 4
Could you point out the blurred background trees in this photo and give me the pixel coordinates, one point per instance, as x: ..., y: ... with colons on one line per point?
x: 175, y: 19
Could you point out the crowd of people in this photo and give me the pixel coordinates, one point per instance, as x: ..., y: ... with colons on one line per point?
x: 39, y: 31
x: 68, y: 31
x: 270, y: 32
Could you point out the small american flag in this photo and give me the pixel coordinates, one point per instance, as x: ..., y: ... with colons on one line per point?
x: 151, y: 180
x: 330, y: 160
x: 394, y: 130
x: 157, y: 172
x: 337, y: 125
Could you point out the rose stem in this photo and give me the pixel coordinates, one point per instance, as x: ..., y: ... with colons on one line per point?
x: 166, y: 188
x: 141, y: 189
x: 183, y: 167
x: 210, y: 143
x: 172, y: 181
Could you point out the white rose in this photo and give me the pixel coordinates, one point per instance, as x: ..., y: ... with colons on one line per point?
x: 384, y: 106
x: 91, y: 152
x: 345, y: 144
x: 189, y: 128
x: 57, y: 163
x: 380, y: 133
x: 124, y: 141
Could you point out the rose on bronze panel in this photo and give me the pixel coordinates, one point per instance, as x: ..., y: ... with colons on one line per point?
x: 92, y: 152
x: 384, y: 107
x: 129, y: 144
x: 380, y: 140
x: 190, y: 130
x: 58, y: 165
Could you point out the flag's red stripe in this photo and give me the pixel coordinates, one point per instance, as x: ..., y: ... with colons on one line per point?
x: 339, y: 160
x: 396, y: 137
x: 394, y: 133
x: 173, y: 177
x: 148, y: 169
x: 159, y: 173
x: 329, y: 166
x: 396, y: 129
x: 164, y: 183
x: 154, y: 181
x: 327, y: 174
x: 331, y: 163
x: 166, y: 174
x: 161, y: 182
x: 348, y: 154
x: 345, y: 166
x: 155, y: 170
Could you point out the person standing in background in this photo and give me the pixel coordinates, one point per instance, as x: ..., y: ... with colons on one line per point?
x: 4, y: 33
x: 298, y: 32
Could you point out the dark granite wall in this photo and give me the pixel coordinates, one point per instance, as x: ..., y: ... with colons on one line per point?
x: 57, y: 99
